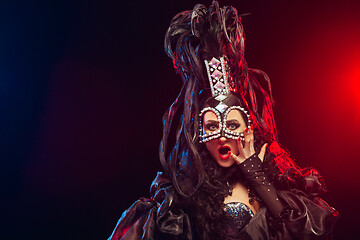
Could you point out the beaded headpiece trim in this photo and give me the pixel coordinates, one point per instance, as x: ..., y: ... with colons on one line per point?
x: 220, y: 89
x: 218, y: 76
x: 222, y: 129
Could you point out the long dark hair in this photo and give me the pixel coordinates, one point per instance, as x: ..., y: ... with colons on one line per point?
x: 195, y: 36
x: 192, y: 37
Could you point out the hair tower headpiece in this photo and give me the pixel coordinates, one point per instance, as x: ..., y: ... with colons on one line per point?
x: 192, y: 37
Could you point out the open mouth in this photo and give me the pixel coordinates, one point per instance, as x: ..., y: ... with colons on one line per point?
x: 224, y: 151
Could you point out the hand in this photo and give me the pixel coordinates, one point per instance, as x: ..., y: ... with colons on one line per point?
x: 247, y: 149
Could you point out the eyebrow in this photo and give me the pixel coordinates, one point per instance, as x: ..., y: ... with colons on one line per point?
x: 212, y: 121
x: 232, y: 121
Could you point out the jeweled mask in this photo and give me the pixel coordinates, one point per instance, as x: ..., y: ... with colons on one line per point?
x: 221, y: 106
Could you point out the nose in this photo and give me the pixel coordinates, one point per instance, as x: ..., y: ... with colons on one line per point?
x: 222, y: 140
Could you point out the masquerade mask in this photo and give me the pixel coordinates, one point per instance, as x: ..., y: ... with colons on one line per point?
x: 221, y: 103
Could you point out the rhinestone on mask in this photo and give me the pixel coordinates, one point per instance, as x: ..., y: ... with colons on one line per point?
x: 221, y: 107
x: 220, y: 98
x: 217, y: 75
x: 214, y: 63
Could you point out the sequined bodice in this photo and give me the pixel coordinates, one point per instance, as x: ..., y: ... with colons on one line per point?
x: 238, y: 215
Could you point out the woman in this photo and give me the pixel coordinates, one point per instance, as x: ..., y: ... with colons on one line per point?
x: 226, y: 177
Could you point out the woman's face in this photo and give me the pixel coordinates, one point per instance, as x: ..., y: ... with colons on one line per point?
x: 219, y: 148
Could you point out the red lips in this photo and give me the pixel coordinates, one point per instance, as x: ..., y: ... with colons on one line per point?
x: 224, y: 152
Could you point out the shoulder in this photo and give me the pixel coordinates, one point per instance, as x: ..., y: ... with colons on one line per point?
x: 154, y: 217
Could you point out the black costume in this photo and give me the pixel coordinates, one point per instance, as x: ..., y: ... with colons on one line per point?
x: 306, y: 216
x: 207, y: 48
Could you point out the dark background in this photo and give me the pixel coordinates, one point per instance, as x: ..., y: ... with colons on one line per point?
x: 84, y: 84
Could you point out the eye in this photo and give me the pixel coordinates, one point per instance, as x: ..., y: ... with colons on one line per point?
x: 233, y: 126
x: 211, y: 127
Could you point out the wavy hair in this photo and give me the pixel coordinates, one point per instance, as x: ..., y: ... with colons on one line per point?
x: 193, y: 36
x: 205, y: 206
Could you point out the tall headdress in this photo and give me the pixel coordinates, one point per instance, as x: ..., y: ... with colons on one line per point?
x: 217, y: 72
x: 208, y: 44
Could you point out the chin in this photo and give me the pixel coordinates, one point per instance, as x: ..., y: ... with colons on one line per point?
x: 225, y: 163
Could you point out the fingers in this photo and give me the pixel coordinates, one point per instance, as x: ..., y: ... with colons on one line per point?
x: 241, y: 158
x: 239, y: 143
x: 240, y: 146
x: 252, y: 149
x: 246, y: 148
x: 262, y: 152
x: 237, y: 159
x: 249, y: 143
x: 247, y: 139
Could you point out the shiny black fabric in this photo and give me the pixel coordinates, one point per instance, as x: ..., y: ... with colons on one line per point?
x: 306, y: 216
x: 303, y: 219
x: 154, y: 218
